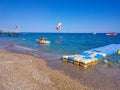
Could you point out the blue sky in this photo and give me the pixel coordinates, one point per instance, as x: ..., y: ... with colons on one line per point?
x: 76, y: 15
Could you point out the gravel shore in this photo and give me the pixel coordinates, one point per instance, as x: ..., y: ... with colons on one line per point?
x: 25, y: 72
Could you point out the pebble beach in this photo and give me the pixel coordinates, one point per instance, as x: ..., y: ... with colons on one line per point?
x: 25, y: 72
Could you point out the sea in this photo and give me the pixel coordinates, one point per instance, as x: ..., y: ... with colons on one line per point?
x: 61, y: 44
x: 69, y: 44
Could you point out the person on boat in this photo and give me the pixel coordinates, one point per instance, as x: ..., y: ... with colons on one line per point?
x: 44, y: 41
x: 41, y: 40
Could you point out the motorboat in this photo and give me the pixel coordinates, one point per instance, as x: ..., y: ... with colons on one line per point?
x: 111, y: 34
x: 43, y: 41
x: 94, y: 33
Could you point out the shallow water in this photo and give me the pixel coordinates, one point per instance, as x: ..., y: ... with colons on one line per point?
x: 61, y: 43
x: 99, y: 77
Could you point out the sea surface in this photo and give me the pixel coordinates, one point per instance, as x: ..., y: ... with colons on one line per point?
x: 61, y: 44
x: 103, y: 76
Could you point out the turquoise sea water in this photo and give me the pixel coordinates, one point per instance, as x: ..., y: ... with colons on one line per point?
x: 61, y: 44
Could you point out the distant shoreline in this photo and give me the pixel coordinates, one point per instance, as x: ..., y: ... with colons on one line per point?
x: 60, y: 32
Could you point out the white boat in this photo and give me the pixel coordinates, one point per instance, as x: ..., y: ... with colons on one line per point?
x: 94, y: 33
x: 45, y: 42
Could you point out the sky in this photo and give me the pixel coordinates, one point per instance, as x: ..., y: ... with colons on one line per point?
x: 76, y: 16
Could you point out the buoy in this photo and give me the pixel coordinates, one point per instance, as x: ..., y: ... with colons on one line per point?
x: 118, y: 52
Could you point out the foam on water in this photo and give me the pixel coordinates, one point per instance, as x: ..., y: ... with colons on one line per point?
x: 25, y: 48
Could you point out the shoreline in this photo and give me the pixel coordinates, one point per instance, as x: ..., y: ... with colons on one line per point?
x: 26, y: 72
x: 98, y: 77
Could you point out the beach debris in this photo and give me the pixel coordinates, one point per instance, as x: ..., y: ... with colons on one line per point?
x: 43, y: 41
x: 59, y: 26
x: 92, y: 56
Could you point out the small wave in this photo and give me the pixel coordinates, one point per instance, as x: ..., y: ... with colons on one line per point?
x: 23, y: 39
x: 36, y: 54
x: 25, y: 48
x: 37, y: 39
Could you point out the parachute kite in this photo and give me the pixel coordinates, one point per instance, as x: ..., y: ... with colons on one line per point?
x: 59, y: 26
x: 17, y: 26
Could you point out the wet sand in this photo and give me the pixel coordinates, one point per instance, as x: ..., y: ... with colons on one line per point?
x: 99, y: 77
x: 25, y: 72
